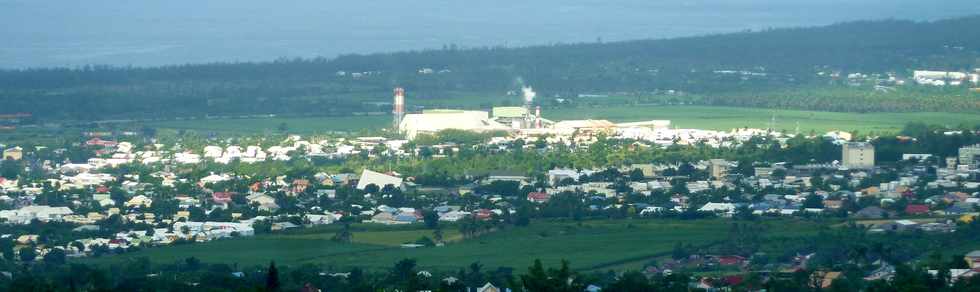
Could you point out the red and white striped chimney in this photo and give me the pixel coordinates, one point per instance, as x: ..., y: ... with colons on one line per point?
x: 399, y: 107
x: 537, y: 117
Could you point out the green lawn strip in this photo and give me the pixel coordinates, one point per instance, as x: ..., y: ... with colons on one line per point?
x: 589, y: 245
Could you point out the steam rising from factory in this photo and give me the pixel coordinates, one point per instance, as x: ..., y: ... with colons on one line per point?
x: 529, y: 95
x: 513, y: 119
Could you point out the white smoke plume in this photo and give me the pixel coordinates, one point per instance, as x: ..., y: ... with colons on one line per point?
x: 529, y: 94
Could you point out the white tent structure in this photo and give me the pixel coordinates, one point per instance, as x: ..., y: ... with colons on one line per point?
x: 369, y: 177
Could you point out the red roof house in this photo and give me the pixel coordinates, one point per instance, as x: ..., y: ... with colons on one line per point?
x: 538, y: 197
x: 222, y: 197
x: 730, y: 260
x: 484, y: 214
x: 99, y: 142
x: 916, y: 209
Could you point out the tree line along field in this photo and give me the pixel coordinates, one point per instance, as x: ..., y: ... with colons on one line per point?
x: 299, y: 125
x: 589, y: 245
x: 700, y: 117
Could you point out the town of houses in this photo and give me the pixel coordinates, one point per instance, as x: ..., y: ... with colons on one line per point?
x: 110, y: 209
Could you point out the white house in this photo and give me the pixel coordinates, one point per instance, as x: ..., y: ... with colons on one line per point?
x: 651, y: 210
x: 265, y: 202
x: 453, y: 216
x: 139, y: 201
x: 317, y: 219
x: 187, y: 158
x: 718, y: 207
x: 215, y: 178
x: 213, y: 230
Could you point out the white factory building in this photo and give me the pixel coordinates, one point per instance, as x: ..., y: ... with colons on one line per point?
x: 433, y: 121
x: 513, y: 119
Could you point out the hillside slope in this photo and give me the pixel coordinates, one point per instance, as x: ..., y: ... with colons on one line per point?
x: 784, y: 66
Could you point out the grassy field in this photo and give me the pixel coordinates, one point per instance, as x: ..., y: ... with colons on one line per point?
x: 702, y: 117
x: 726, y: 118
x: 590, y: 245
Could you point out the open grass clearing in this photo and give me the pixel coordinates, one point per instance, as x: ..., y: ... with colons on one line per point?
x: 588, y: 245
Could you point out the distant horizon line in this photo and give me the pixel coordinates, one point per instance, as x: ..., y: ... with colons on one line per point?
x: 444, y: 47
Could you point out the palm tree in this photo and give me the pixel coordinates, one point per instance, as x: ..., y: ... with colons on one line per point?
x: 344, y: 234
x: 437, y: 235
x: 272, y: 278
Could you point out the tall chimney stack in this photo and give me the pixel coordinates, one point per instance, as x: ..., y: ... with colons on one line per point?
x: 537, y: 117
x: 398, y: 110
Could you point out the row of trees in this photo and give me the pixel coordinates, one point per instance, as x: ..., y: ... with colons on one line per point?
x: 406, y: 275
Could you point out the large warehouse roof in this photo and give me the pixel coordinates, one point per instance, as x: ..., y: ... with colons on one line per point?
x: 509, y: 112
x: 435, y: 121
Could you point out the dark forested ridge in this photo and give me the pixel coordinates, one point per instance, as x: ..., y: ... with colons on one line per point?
x: 783, y: 66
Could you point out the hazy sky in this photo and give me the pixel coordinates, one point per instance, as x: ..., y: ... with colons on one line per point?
x: 44, y: 33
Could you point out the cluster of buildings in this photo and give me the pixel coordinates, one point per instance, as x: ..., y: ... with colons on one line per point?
x: 113, y: 154
x: 516, y: 120
x: 943, y: 78
x: 96, y: 187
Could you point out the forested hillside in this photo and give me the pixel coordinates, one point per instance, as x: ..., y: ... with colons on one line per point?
x: 784, y: 68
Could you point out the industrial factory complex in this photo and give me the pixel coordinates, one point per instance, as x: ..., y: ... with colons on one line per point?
x: 518, y: 120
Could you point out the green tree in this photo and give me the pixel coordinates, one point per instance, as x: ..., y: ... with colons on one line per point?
x: 55, y: 257
x: 680, y: 251
x: 437, y: 235
x: 431, y: 219
x: 778, y: 173
x: 631, y: 281
x: 344, y: 235
x: 10, y: 168
x: 523, y: 216
x: 28, y: 254
x: 371, y: 189
x: 813, y: 201
x: 272, y: 278
x: 402, y: 273
x: 192, y: 264
x: 551, y: 280
x: 7, y: 249
x: 636, y: 174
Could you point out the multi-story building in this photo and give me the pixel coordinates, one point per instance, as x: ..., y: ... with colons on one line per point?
x: 719, y: 168
x: 858, y: 155
x: 969, y: 154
